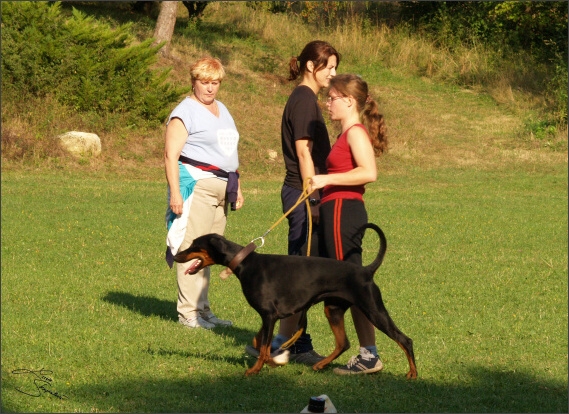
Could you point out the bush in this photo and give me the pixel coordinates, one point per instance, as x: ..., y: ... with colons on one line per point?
x: 533, y: 33
x: 83, y: 63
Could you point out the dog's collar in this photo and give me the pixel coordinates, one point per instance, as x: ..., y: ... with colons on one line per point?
x: 242, y: 254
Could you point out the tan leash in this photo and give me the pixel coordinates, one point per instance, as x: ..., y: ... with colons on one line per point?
x: 303, y: 197
x: 243, y: 253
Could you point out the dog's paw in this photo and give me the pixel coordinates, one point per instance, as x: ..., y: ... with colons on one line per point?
x: 318, y: 366
x: 251, y: 371
x: 412, y: 374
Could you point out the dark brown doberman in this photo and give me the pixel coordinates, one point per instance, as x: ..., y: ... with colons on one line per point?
x: 277, y: 286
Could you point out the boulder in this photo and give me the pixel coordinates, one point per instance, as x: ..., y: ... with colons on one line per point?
x: 272, y: 154
x: 80, y: 143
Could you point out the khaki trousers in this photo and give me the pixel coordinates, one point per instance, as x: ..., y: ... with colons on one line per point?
x: 208, y: 214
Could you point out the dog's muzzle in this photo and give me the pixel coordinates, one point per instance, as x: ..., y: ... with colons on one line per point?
x: 195, y: 266
x: 198, y: 260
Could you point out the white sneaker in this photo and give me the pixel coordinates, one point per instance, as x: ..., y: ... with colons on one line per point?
x: 364, y: 363
x: 195, y: 322
x: 211, y: 318
x: 279, y: 357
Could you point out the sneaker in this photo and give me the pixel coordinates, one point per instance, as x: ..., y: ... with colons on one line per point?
x: 364, y: 363
x: 211, y: 318
x: 195, y: 322
x: 280, y: 357
x: 307, y: 358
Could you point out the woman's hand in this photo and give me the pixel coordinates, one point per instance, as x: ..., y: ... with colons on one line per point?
x: 176, y: 203
x: 176, y: 135
x: 318, y: 181
x: 240, y: 198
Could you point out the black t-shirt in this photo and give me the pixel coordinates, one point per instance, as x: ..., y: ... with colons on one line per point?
x: 302, y: 119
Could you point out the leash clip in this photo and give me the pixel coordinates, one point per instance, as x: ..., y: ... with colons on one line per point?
x: 262, y: 238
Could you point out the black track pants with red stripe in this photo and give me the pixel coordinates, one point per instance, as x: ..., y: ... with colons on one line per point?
x: 340, y: 221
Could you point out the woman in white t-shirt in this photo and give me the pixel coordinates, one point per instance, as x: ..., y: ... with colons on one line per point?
x: 201, y: 164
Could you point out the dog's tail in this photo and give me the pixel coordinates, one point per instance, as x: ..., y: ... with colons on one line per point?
x: 373, y: 266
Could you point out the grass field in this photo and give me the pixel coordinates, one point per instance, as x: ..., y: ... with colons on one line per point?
x: 473, y: 203
x: 476, y: 274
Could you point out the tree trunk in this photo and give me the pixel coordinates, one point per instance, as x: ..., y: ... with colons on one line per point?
x: 165, y: 25
x: 195, y: 8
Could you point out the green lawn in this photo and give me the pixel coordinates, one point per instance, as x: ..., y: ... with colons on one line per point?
x: 473, y: 202
x: 475, y: 273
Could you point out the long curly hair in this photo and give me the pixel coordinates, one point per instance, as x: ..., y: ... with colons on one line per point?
x: 354, y: 86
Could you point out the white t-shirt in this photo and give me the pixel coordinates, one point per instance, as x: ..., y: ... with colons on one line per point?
x: 211, y: 139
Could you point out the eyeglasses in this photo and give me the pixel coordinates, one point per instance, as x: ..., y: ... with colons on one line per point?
x: 331, y: 99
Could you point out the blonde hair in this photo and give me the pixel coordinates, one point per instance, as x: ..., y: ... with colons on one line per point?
x: 354, y: 86
x: 207, y: 69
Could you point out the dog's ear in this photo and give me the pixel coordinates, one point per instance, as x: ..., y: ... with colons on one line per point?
x: 216, y: 241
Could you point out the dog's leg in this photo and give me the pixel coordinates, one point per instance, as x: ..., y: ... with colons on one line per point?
x: 257, y: 346
x: 335, y: 315
x: 408, y: 349
x: 372, y: 305
x: 301, y: 327
x: 262, y: 342
x: 257, y: 340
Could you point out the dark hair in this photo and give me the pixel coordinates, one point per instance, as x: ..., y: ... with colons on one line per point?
x: 354, y: 86
x: 318, y: 52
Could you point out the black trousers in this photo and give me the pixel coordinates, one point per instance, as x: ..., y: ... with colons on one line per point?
x: 298, y: 224
x: 340, y: 221
x: 297, y: 245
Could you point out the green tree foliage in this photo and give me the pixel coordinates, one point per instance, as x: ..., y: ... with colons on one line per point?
x: 537, y: 30
x: 537, y: 26
x: 81, y: 62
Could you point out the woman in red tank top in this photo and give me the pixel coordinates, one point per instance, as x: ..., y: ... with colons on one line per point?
x: 351, y: 165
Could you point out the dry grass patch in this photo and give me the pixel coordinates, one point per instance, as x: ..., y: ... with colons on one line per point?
x: 435, y: 127
x: 430, y: 125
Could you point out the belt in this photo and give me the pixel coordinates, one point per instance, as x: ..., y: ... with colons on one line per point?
x: 232, y: 177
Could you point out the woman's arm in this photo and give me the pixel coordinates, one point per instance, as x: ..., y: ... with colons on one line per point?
x: 304, y: 152
x: 240, y: 198
x: 176, y: 135
x: 366, y: 169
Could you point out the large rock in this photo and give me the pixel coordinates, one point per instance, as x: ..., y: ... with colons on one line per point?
x: 80, y: 143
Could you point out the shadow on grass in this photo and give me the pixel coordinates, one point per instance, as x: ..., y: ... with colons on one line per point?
x: 166, y: 310
x: 472, y: 388
x: 144, y: 305
x: 480, y: 389
x: 204, y: 356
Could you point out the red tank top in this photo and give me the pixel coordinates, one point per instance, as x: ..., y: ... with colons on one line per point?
x: 341, y: 160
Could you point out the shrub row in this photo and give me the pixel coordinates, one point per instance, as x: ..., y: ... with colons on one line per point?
x: 82, y: 62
